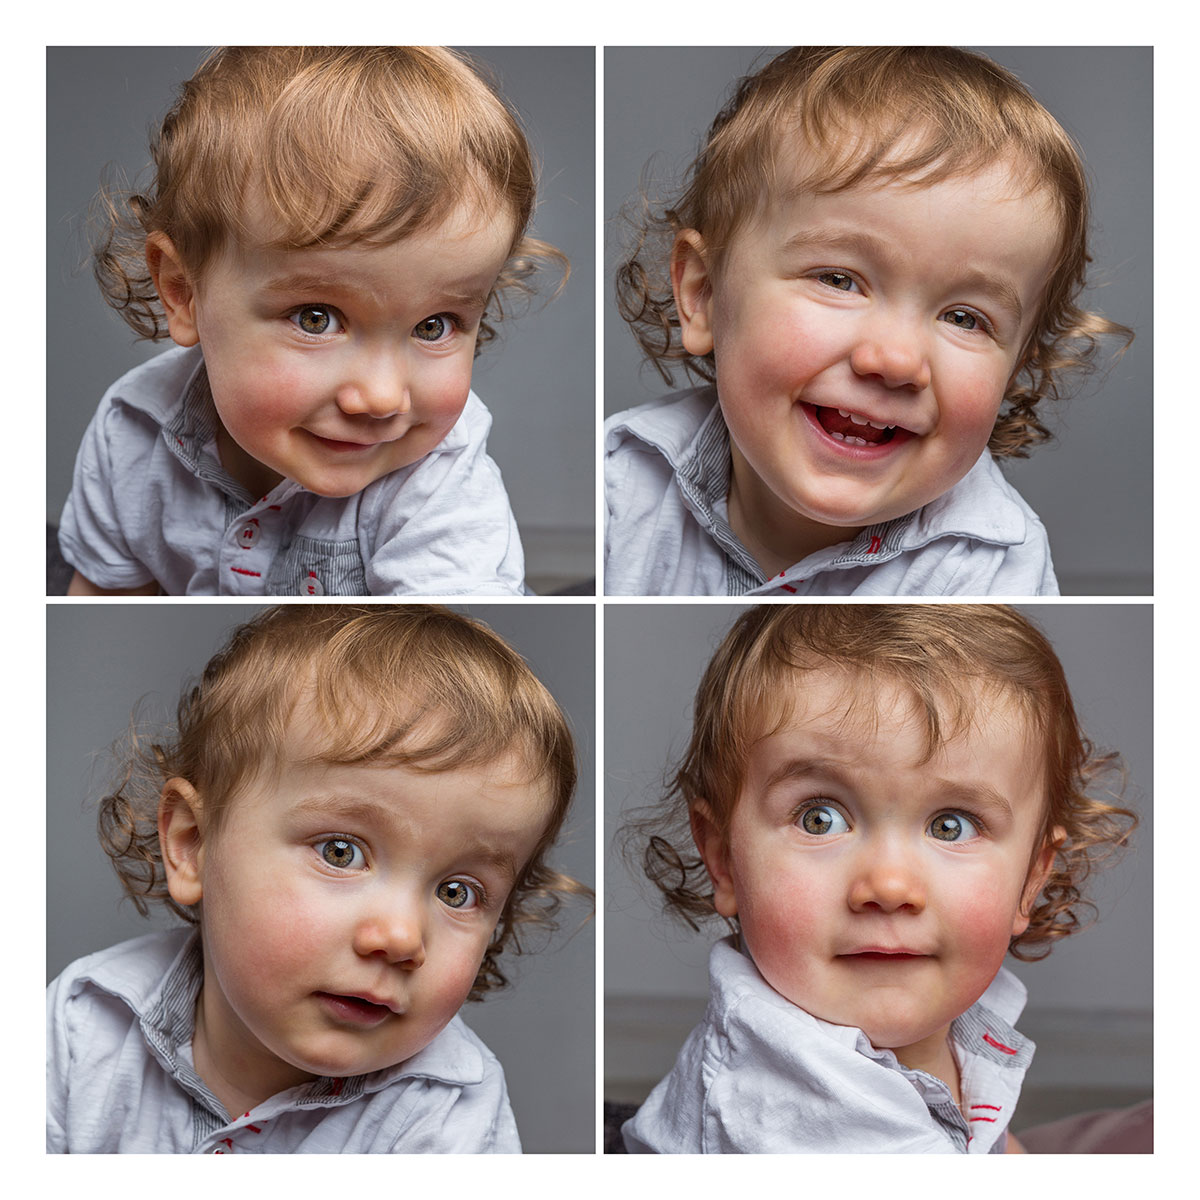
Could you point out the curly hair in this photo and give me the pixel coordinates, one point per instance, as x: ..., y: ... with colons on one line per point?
x: 413, y: 685
x: 345, y: 144
x: 944, y: 656
x: 951, y: 113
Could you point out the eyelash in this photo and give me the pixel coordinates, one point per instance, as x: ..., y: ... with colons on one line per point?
x: 454, y: 323
x: 800, y: 810
x: 985, y: 325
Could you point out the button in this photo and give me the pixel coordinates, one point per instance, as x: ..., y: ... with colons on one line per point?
x: 312, y: 586
x: 248, y: 534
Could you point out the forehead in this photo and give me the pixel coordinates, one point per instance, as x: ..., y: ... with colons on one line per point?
x: 848, y: 711
x: 461, y: 253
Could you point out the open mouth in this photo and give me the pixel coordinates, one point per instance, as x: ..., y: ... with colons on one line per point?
x: 852, y: 428
x: 355, y: 1009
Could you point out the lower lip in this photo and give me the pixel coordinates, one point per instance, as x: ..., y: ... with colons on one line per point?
x: 353, y: 1011
x: 880, y: 956
x: 344, y: 447
x: 868, y: 453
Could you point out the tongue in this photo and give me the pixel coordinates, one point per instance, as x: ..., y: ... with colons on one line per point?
x: 832, y: 421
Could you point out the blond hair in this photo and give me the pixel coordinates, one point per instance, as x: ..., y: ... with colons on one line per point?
x: 916, y: 113
x: 943, y: 655
x: 344, y: 144
x: 416, y: 685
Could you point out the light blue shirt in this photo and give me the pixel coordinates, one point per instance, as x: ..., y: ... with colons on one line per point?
x: 666, y: 478
x: 120, y: 1077
x: 760, y: 1076
x: 151, y: 501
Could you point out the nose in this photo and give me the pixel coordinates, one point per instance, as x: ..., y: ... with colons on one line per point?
x: 891, y: 349
x: 887, y: 880
x: 377, y: 387
x: 393, y: 933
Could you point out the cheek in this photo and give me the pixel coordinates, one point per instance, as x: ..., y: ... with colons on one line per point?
x: 440, y: 392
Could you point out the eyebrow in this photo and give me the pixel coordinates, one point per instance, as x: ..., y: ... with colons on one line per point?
x: 313, y: 282
x: 951, y: 793
x: 367, y: 812
x: 996, y: 287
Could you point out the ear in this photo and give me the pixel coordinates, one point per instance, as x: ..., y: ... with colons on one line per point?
x: 181, y: 839
x: 1039, y: 872
x: 175, y: 289
x: 714, y: 849
x: 692, y: 284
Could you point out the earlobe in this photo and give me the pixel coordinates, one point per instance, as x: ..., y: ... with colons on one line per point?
x: 181, y: 840
x: 174, y: 286
x: 692, y: 284
x: 713, y: 848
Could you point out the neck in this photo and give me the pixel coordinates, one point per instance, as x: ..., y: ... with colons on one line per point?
x: 935, y: 1056
x: 776, y: 535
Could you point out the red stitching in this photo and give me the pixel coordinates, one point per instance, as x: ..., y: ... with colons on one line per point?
x: 243, y: 571
x: 787, y: 587
x: 991, y: 1119
x: 228, y: 1142
x: 876, y: 542
x: 255, y: 1128
x: 993, y: 1107
x: 991, y: 1041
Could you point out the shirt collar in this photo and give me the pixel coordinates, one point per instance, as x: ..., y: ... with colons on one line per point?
x: 690, y: 432
x: 164, y: 1001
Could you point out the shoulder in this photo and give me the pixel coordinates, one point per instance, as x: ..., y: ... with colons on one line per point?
x: 451, y: 1097
x: 131, y: 970
x: 667, y: 424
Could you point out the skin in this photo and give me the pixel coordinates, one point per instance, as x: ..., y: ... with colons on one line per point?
x: 844, y: 848
x: 332, y: 366
x: 325, y: 883
x: 908, y: 306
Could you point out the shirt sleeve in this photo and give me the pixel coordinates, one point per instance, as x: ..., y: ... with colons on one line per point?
x: 58, y: 1063
x: 90, y: 533
x: 447, y: 527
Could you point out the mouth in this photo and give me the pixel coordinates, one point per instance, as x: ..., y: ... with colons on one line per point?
x: 854, y: 429
x: 357, y: 1010
x: 339, y: 447
x: 877, y: 954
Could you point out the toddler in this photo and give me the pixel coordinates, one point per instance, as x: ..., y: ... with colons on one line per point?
x: 328, y: 238
x: 874, y: 269
x: 353, y: 815
x: 885, y: 801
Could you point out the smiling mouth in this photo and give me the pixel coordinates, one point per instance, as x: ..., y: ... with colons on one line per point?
x: 853, y: 428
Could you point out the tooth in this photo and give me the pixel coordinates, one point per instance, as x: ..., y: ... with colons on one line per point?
x: 859, y: 420
x: 843, y: 413
x: 841, y: 437
x: 878, y: 425
x: 856, y: 441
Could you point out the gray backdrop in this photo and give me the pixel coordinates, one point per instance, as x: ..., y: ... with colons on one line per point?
x: 1090, y: 1006
x: 102, y: 659
x: 538, y: 377
x: 1092, y: 486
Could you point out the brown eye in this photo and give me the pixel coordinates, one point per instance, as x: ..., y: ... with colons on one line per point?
x: 454, y: 893
x: 338, y: 852
x: 960, y: 318
x: 315, y: 319
x: 432, y: 329
x: 952, y: 827
x: 822, y: 819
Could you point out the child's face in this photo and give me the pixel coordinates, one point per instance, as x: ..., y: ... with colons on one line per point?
x: 346, y: 910
x: 336, y: 366
x: 864, y: 340
x: 875, y: 889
